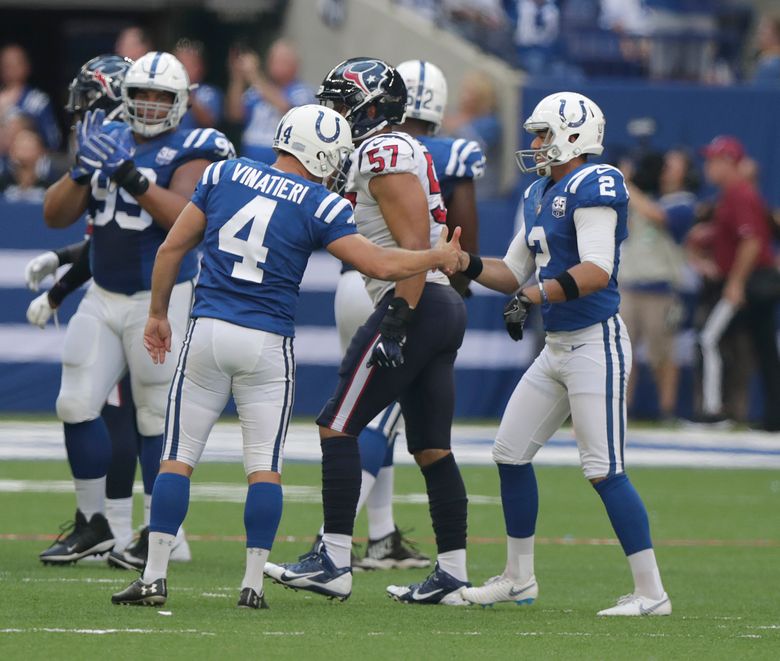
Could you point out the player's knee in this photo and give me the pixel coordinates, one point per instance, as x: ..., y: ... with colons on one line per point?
x: 74, y: 409
x: 507, y: 453
x: 150, y: 422
x: 428, y: 457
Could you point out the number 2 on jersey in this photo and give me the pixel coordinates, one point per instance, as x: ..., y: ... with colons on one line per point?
x: 538, y: 237
x: 258, y: 213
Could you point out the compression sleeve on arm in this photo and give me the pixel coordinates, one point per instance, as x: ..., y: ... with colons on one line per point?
x: 70, y: 254
x: 596, y: 236
x: 519, y: 259
x: 76, y: 276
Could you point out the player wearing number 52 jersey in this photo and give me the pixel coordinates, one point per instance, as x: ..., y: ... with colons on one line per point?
x: 259, y: 224
x: 574, y: 220
x: 132, y: 178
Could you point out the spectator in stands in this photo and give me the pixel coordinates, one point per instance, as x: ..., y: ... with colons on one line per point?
x: 205, y: 100
x: 476, y: 118
x: 536, y: 33
x: 742, y: 251
x: 483, y: 22
x: 29, y: 170
x: 133, y: 42
x: 767, y: 70
x: 651, y: 269
x: 17, y: 96
x: 258, y: 99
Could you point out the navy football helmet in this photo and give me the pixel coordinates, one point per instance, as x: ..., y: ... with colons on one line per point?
x: 98, y: 86
x: 361, y: 83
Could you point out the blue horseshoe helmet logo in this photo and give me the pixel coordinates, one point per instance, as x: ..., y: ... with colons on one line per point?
x: 322, y: 136
x: 580, y: 121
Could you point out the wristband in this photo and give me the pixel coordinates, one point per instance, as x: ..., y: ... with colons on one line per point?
x: 79, y: 176
x: 128, y: 177
x: 543, y: 292
x: 569, y: 285
x: 474, y: 268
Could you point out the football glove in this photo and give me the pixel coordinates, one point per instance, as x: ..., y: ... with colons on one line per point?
x: 388, y: 351
x: 515, y: 314
x: 39, y: 268
x: 88, y: 159
x: 40, y: 310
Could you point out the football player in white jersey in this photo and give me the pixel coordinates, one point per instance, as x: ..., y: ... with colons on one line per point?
x: 133, y: 179
x: 573, y: 222
x: 240, y: 337
x: 405, y: 351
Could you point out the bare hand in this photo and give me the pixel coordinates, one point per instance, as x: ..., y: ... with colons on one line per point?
x: 450, y: 249
x: 157, y: 339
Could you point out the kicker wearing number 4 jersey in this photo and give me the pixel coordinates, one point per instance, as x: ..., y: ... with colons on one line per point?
x: 574, y: 220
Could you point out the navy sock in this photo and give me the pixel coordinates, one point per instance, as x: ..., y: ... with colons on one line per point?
x: 89, y: 448
x: 340, y: 483
x: 262, y: 513
x: 151, y: 451
x: 626, y: 512
x: 447, y: 503
x: 170, y: 500
x: 519, y: 498
x: 120, y: 422
x: 373, y: 449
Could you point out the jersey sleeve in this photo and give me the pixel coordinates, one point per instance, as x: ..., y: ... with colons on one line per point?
x: 466, y: 160
x: 208, y: 180
x: 598, y: 186
x: 333, y: 218
x: 209, y: 144
x: 386, y: 154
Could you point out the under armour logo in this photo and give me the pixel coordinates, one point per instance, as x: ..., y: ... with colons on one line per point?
x: 320, y: 134
x: 149, y: 589
x: 580, y: 121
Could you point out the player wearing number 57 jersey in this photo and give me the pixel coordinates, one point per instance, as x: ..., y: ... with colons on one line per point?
x: 259, y: 225
x: 574, y: 220
x: 132, y: 178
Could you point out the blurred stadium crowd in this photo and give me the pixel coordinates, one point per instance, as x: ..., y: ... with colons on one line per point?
x: 702, y: 251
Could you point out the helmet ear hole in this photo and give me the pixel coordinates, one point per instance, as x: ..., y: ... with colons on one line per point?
x: 574, y: 137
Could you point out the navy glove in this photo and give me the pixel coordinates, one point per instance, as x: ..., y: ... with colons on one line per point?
x: 515, y: 314
x: 388, y: 351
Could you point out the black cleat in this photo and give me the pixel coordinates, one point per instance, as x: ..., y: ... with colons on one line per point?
x: 79, y: 539
x: 134, y: 556
x: 139, y: 593
x: 393, y: 551
x: 250, y: 599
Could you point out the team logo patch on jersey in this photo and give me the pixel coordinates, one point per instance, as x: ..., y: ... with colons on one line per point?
x: 559, y: 206
x: 165, y: 156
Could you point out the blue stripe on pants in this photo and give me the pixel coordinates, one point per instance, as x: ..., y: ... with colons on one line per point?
x: 174, y: 440
x: 622, y: 367
x: 608, y: 398
x: 286, y: 405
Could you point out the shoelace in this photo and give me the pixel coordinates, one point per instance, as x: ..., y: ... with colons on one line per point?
x: 625, y: 599
x: 403, y: 539
x: 65, y: 530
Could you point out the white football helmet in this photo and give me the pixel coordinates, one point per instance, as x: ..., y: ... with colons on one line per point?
x: 572, y: 124
x: 426, y: 91
x: 317, y: 136
x: 155, y: 71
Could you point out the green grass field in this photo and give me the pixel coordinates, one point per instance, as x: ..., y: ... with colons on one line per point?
x: 717, y: 535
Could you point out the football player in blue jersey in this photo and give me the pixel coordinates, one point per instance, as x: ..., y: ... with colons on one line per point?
x: 573, y: 222
x: 404, y: 351
x: 133, y: 180
x: 259, y: 224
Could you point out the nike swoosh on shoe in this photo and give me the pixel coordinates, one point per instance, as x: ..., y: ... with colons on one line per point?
x: 651, y: 609
x: 419, y: 596
x: 516, y: 593
x: 291, y: 577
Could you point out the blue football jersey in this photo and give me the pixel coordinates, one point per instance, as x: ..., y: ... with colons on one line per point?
x: 548, y: 213
x: 454, y: 159
x: 261, y: 226
x: 125, y: 239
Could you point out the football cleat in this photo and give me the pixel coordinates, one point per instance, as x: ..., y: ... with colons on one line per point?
x: 134, y: 556
x: 439, y: 588
x: 632, y: 605
x: 180, y: 551
x: 353, y: 557
x: 393, y: 551
x: 139, y: 593
x: 500, y: 588
x: 79, y: 539
x: 314, y: 572
x: 250, y: 599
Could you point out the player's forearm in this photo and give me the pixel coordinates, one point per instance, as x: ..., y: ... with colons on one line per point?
x: 496, y: 275
x: 588, y: 279
x: 164, y: 274
x: 163, y: 205
x: 64, y: 202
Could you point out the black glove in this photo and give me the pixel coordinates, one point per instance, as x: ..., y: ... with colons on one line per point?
x: 388, y: 351
x: 515, y: 314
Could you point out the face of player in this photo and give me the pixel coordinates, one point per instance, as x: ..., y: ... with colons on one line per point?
x: 153, y: 105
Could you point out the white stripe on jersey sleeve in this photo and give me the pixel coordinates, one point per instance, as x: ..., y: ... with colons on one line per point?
x: 336, y: 210
x: 464, y: 154
x: 578, y: 178
x: 330, y: 199
x: 191, y: 137
x: 216, y: 171
x: 207, y: 173
x: 453, y: 162
x: 204, y: 136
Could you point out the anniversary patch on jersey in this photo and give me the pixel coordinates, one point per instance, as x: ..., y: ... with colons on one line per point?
x: 559, y: 206
x: 165, y: 156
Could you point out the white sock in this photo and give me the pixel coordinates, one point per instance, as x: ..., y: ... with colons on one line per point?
x: 366, y: 486
x: 379, y: 506
x: 255, y: 563
x: 519, y: 558
x: 147, y: 509
x: 647, y: 578
x: 454, y: 563
x: 91, y: 496
x: 119, y: 512
x: 160, y: 544
x: 338, y: 548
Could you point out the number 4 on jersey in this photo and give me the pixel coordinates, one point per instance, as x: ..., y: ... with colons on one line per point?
x: 258, y: 213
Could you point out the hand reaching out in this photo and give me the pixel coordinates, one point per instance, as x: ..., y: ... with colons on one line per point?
x: 157, y: 339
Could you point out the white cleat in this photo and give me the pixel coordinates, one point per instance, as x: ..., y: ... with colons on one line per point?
x: 500, y: 588
x: 180, y: 551
x: 632, y: 605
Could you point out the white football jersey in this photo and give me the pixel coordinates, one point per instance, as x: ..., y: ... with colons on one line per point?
x: 392, y: 153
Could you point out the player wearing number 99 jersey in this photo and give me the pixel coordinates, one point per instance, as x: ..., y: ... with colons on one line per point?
x: 574, y: 220
x: 133, y: 178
